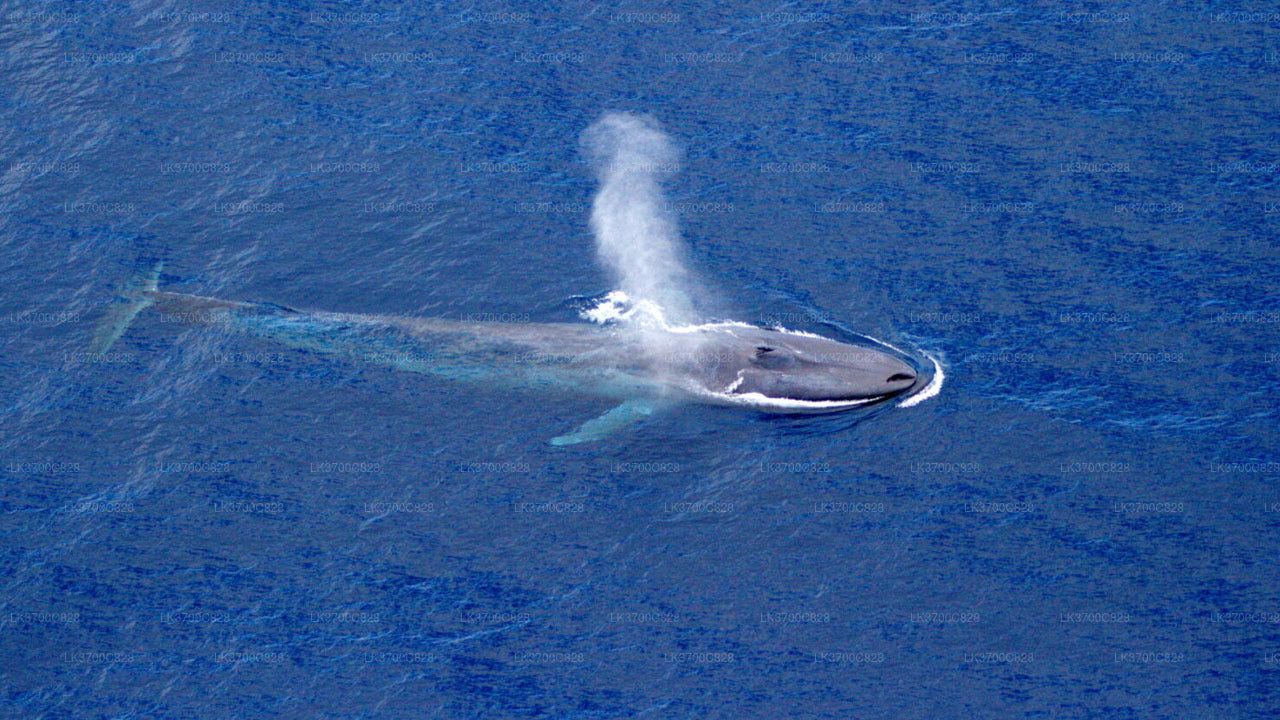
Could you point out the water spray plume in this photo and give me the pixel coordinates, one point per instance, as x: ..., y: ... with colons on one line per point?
x: 636, y: 237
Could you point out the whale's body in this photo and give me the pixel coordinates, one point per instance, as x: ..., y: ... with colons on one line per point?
x: 640, y: 368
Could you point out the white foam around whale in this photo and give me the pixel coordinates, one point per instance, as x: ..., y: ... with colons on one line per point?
x: 932, y: 389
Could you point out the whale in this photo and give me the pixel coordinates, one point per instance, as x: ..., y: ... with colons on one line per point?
x: 642, y: 369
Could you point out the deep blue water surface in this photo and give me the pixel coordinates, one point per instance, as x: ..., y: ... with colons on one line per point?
x: 1073, y: 206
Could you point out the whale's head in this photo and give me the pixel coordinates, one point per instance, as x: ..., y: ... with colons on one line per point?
x: 797, y: 372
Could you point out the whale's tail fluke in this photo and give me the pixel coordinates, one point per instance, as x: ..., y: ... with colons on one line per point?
x: 134, y: 296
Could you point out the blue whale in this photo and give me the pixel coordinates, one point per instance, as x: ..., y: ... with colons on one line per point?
x: 642, y: 369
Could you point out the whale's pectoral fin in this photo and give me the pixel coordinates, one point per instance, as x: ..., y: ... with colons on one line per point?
x: 621, y: 416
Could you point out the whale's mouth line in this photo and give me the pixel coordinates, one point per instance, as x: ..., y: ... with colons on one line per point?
x: 733, y: 390
x: 767, y: 403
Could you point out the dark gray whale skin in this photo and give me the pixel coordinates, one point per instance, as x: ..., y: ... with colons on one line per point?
x: 719, y: 359
x: 734, y: 364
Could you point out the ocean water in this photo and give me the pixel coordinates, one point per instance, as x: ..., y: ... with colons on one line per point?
x: 1073, y: 207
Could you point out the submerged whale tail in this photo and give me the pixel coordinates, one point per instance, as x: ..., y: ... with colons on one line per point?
x: 134, y: 296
